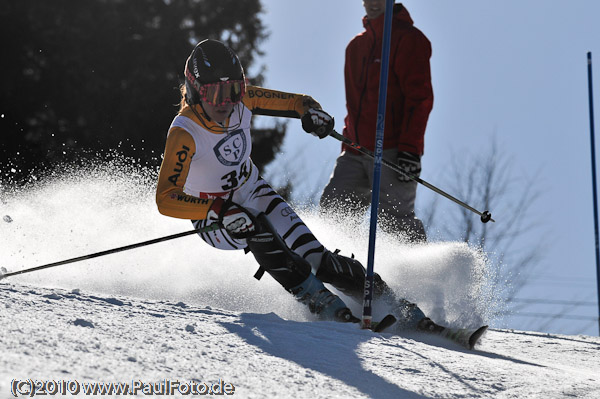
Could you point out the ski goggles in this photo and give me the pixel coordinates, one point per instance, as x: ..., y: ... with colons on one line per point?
x: 221, y: 93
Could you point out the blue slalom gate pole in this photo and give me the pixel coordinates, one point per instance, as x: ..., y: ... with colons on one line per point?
x: 383, y: 79
x: 593, y: 145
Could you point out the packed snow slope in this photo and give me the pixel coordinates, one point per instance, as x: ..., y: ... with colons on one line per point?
x: 56, y: 334
x: 183, y: 311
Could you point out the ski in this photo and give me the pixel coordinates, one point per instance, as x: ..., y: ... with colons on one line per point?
x: 384, y: 323
x: 474, y: 338
x: 463, y: 336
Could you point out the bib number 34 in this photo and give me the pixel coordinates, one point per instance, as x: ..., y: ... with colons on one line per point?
x: 232, y: 179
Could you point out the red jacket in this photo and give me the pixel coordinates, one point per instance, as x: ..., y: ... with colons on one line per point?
x: 409, y: 93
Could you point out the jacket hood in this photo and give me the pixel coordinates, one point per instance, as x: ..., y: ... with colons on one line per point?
x: 400, y: 14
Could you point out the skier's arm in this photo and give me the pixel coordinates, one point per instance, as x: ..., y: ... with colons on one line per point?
x: 413, y: 71
x: 269, y: 102
x: 170, y: 198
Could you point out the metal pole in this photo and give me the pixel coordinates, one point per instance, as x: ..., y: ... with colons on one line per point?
x: 383, y: 79
x: 210, y: 227
x: 593, y: 147
x: 486, y: 216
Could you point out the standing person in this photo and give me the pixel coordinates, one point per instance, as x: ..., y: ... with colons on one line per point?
x: 409, y: 102
x: 207, y: 176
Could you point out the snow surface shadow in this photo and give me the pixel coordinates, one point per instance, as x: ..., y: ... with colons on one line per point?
x: 443, y: 343
x: 492, y: 355
x: 546, y: 335
x: 295, y: 341
x: 440, y: 366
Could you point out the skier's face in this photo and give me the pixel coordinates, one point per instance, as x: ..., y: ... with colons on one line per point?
x: 374, y: 8
x: 218, y: 113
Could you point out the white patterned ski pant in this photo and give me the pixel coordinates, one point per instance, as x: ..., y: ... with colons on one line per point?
x: 257, y: 196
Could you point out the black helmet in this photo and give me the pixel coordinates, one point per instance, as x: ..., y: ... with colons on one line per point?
x: 213, y: 73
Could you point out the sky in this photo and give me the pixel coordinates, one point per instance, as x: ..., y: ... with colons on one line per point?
x: 514, y: 72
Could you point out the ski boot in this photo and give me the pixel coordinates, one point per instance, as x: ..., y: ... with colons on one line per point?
x: 322, y: 302
x: 409, y: 315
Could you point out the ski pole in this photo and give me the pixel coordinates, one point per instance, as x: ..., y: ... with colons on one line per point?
x: 206, y: 229
x: 486, y: 216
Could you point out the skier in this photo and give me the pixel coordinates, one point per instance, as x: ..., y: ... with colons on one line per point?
x: 207, y: 176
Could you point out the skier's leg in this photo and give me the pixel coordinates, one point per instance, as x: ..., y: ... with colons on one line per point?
x: 219, y: 238
x: 294, y: 273
x: 348, y: 276
x: 261, y: 197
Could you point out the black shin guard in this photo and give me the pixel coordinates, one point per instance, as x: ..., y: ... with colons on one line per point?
x: 274, y: 256
x: 348, y: 276
x: 294, y: 273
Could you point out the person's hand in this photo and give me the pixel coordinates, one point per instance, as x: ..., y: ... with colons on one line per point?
x: 234, y: 218
x: 317, y: 122
x: 409, y: 162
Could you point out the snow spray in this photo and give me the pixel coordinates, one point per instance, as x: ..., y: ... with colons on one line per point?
x: 79, y: 210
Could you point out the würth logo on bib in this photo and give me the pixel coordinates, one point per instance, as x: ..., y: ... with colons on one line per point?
x: 231, y: 149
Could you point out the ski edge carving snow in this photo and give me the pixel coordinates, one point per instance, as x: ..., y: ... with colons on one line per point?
x: 464, y: 337
x: 384, y: 323
x: 474, y: 338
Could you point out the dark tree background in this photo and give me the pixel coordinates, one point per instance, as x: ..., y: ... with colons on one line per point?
x: 81, y: 76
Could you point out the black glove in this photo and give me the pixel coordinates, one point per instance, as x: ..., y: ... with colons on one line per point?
x: 409, y: 162
x: 234, y: 218
x: 317, y: 122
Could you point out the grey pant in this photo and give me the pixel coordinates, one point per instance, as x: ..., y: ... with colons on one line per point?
x: 349, y: 190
